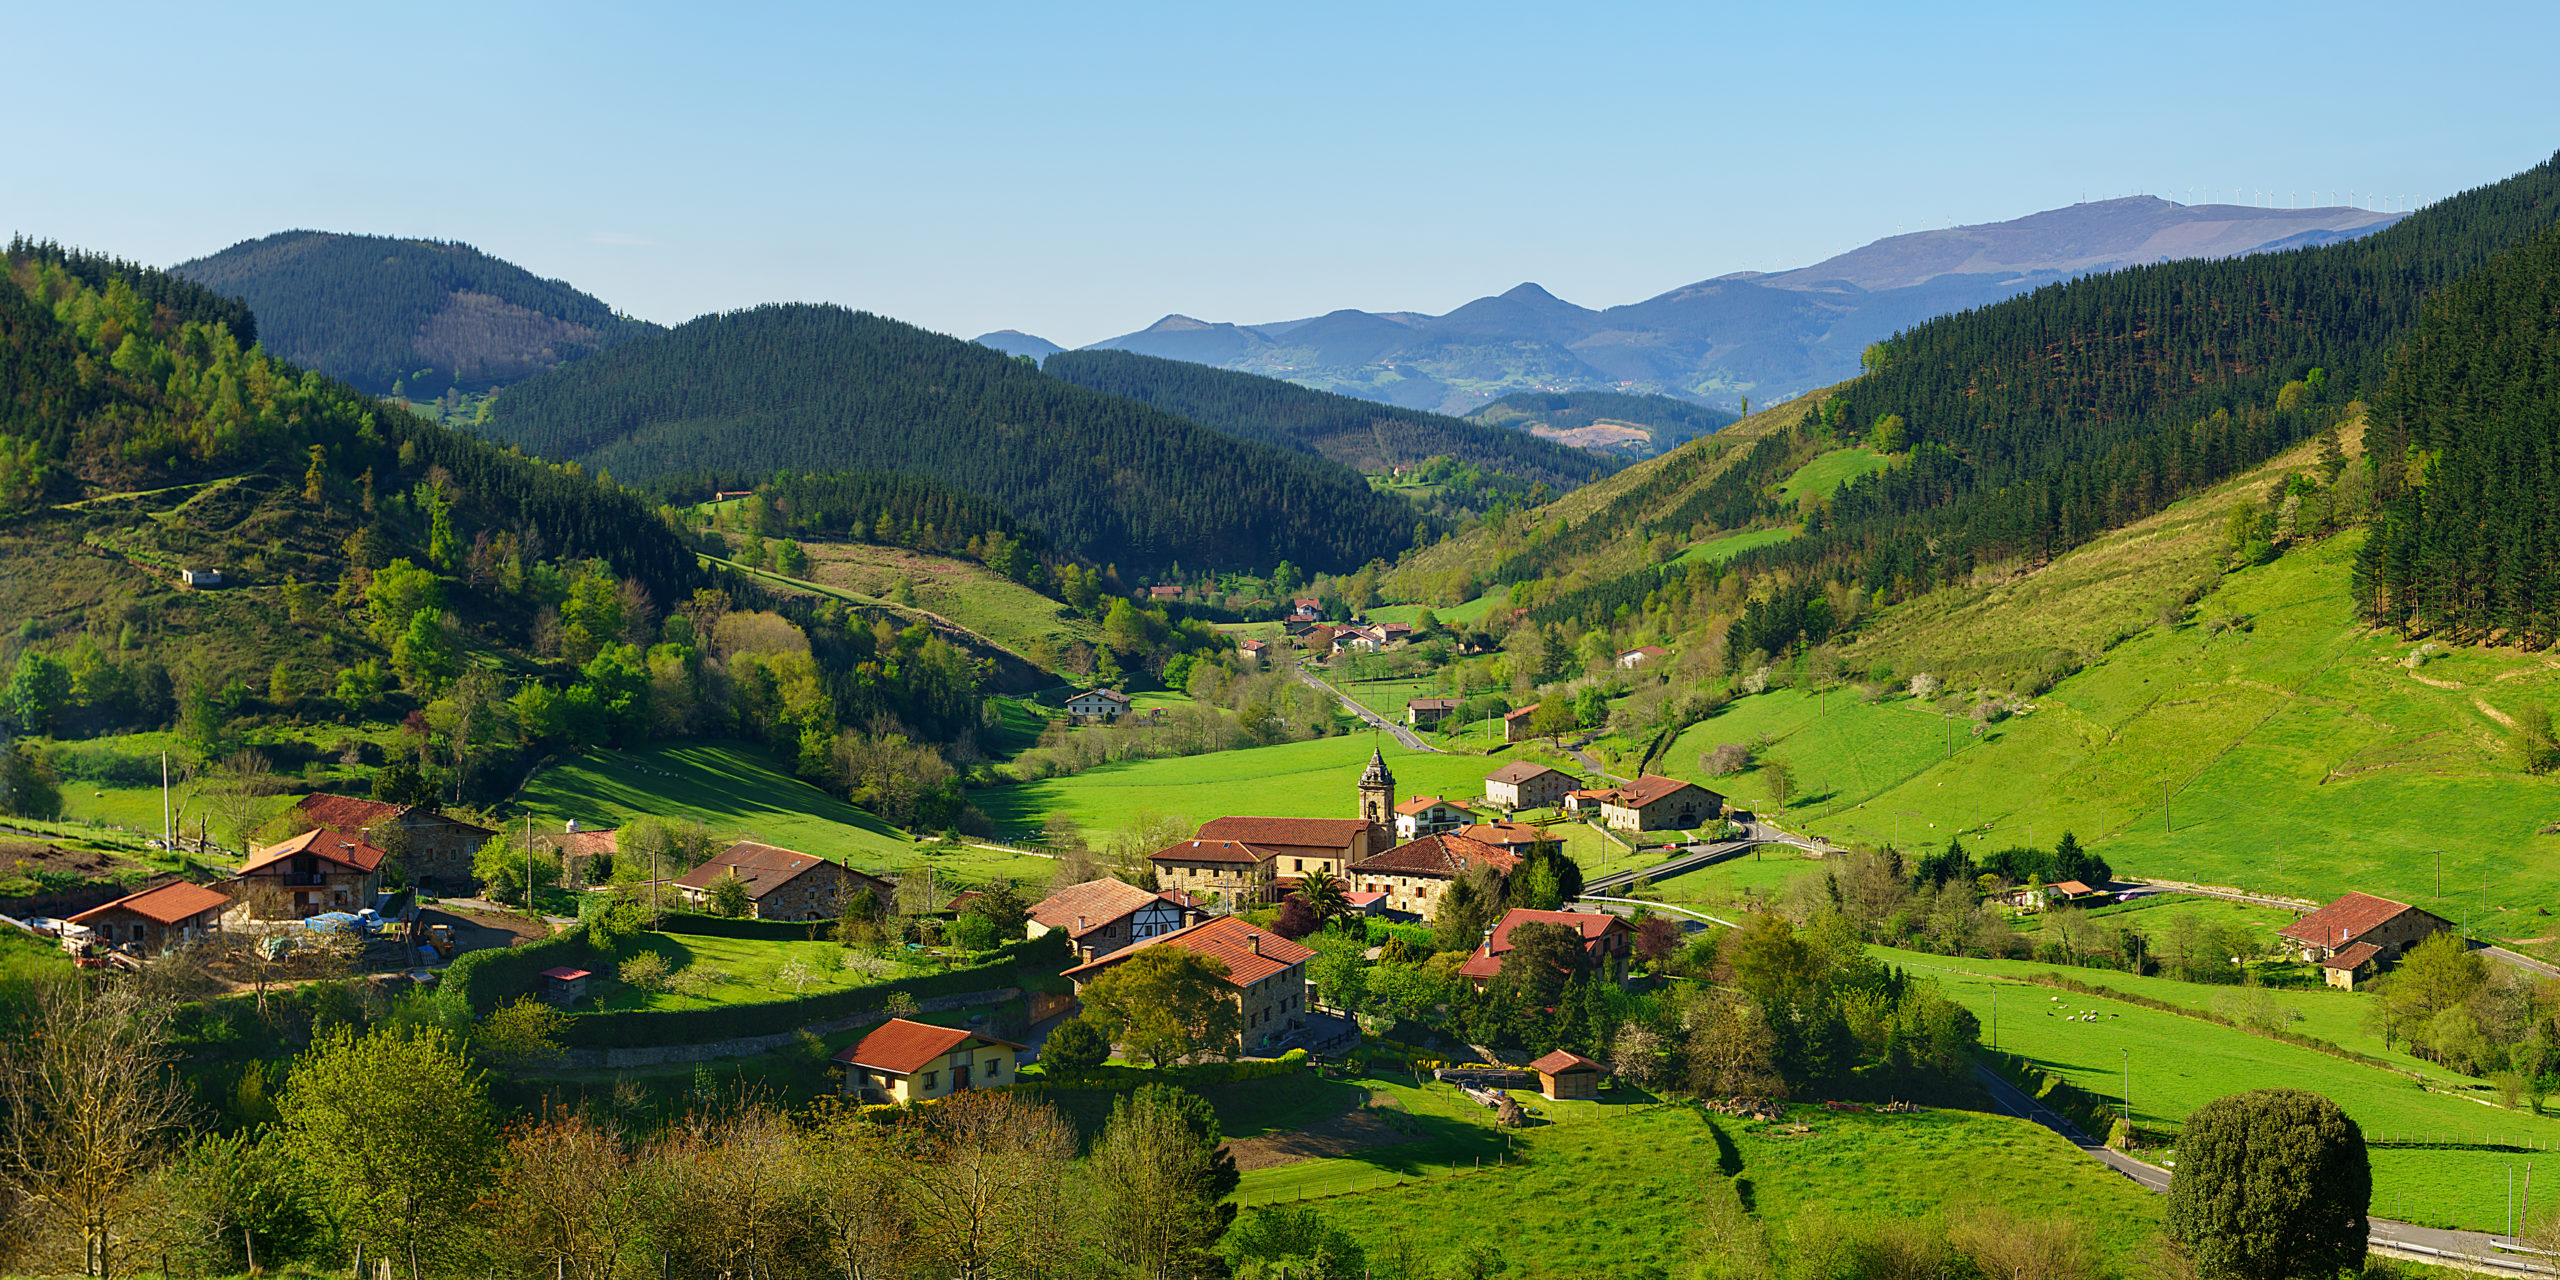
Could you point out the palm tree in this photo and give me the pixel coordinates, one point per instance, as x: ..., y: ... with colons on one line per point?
x: 1326, y: 896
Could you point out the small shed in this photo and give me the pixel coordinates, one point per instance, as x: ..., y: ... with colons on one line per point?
x: 2350, y: 965
x: 201, y: 579
x: 564, y: 985
x: 1565, y: 1075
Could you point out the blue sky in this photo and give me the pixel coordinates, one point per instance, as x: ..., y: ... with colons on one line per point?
x: 1078, y: 174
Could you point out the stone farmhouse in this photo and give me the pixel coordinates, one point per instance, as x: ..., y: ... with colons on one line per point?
x: 1515, y: 723
x: 434, y: 849
x: 2358, y: 936
x: 579, y: 849
x: 1422, y: 713
x: 905, y: 1061
x: 1102, y: 916
x: 782, y: 884
x: 1302, y: 846
x: 157, y: 919
x: 1526, y: 784
x: 1268, y: 972
x: 1242, y: 874
x: 1413, y: 875
x: 1653, y: 803
x: 318, y: 871
x: 1605, y: 942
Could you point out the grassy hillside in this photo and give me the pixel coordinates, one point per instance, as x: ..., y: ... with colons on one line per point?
x: 1615, y: 1189
x: 2180, y: 1063
x: 1311, y: 779
x: 2301, y: 753
x: 1657, y: 489
x: 964, y: 591
x: 738, y: 791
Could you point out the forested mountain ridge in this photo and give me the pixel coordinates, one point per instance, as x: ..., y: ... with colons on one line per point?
x: 2016, y: 431
x: 1362, y: 434
x: 2469, y: 417
x: 419, y: 315
x: 1764, y: 335
x: 381, y: 577
x: 821, y: 388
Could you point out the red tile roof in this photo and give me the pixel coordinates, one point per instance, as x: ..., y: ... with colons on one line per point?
x: 1310, y: 833
x: 1523, y: 771
x: 1519, y: 712
x: 1505, y: 835
x: 2352, y: 957
x: 903, y: 1048
x: 1419, y: 804
x: 1228, y: 939
x: 2344, y: 920
x: 764, y: 867
x: 1431, y: 704
x: 1235, y: 851
x: 1592, y: 925
x: 1440, y: 855
x: 2074, y: 888
x: 1564, y: 1060
x: 566, y: 974
x: 1082, y: 908
x: 585, y: 842
x: 343, y: 849
x: 168, y: 904
x: 347, y: 813
x: 1652, y: 788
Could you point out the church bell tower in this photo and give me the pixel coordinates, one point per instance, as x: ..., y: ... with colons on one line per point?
x: 1378, y: 791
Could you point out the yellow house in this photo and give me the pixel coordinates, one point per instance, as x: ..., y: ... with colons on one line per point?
x: 906, y: 1061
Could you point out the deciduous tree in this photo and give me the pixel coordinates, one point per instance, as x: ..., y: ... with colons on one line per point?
x: 1166, y: 1005
x: 2270, y: 1184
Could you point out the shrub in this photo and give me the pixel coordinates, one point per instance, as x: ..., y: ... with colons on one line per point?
x: 646, y: 971
x: 2271, y: 1183
x: 482, y: 980
x: 1075, y: 1045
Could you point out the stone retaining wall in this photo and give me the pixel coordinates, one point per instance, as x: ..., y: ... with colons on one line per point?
x: 749, y: 1046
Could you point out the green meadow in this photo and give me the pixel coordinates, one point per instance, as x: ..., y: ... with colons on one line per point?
x: 1613, y: 1189
x: 2177, y: 1064
x: 1312, y: 779
x: 738, y: 790
x: 2294, y: 752
x: 1719, y: 550
x: 1828, y: 472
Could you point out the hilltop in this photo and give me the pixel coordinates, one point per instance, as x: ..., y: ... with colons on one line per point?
x: 1361, y: 434
x: 418, y: 315
x: 1014, y: 342
x: 744, y: 395
x: 1765, y: 336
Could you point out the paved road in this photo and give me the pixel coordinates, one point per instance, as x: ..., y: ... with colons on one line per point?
x: 1702, y: 853
x: 2470, y: 1250
x: 1411, y: 740
x: 1590, y: 764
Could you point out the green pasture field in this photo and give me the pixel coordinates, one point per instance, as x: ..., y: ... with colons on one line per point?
x: 968, y: 593
x: 1830, y: 471
x: 1469, y: 614
x: 2180, y: 1063
x: 752, y: 969
x: 1843, y: 752
x: 2320, y: 1011
x: 1746, y: 883
x: 737, y: 790
x: 1719, y: 550
x: 1311, y: 779
x: 2153, y: 916
x: 1617, y: 1194
x: 2299, y: 755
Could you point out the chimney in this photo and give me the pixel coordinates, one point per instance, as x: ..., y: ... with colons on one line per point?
x: 1254, y: 941
x: 1079, y: 924
x: 572, y: 828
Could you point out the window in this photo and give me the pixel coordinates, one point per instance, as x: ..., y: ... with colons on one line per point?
x: 1302, y: 863
x: 928, y: 1081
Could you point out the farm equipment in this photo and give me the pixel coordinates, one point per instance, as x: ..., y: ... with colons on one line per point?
x: 440, y: 938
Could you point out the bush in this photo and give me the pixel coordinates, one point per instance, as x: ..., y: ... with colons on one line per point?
x: 1075, y: 1045
x: 702, y: 926
x: 646, y: 971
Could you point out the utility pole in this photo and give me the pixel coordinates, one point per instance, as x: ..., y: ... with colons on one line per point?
x: 2128, y: 1087
x: 168, y: 832
x: 2165, y: 827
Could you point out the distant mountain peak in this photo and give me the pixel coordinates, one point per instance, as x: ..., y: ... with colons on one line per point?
x: 1014, y: 342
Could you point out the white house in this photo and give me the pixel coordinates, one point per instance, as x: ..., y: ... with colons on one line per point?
x: 1101, y: 705
x: 200, y: 578
x: 1428, y: 816
x: 1644, y: 657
